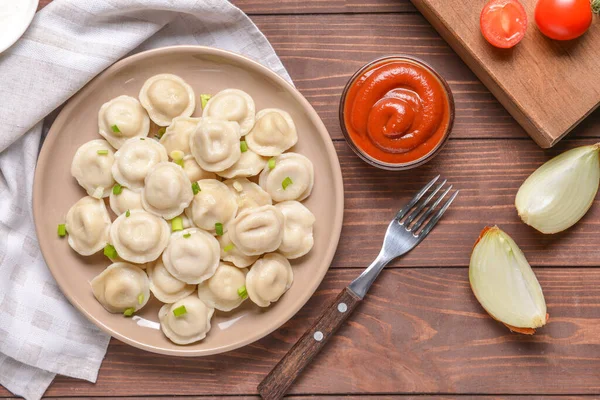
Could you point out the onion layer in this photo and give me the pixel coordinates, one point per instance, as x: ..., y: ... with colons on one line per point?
x: 504, y: 283
x: 560, y: 192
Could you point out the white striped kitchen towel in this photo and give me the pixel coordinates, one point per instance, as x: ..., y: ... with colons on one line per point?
x: 68, y: 43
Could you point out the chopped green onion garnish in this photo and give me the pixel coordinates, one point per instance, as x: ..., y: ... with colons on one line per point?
x: 161, y: 132
x: 243, y: 146
x: 179, y: 311
x: 271, y: 163
x: 177, y: 224
x: 102, y: 152
x: 110, y: 251
x: 196, y: 188
x: 229, y: 247
x: 219, y: 228
x: 141, y: 299
x: 238, y: 186
x: 177, y: 155
x: 286, y: 182
x: 179, y: 162
x: 204, y: 98
x: 115, y: 129
x: 127, y: 214
x: 142, y: 138
x: 62, y: 230
x: 129, y: 311
x: 187, y: 235
x: 242, y: 292
x: 117, y: 189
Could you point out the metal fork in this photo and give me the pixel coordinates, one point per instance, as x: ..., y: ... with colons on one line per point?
x: 408, y: 228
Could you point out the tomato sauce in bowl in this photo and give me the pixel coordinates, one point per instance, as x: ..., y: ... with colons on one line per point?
x: 396, y: 112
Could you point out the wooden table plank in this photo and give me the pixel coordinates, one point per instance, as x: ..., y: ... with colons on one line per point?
x: 338, y: 397
x: 488, y: 173
x: 329, y: 397
x: 321, y: 52
x: 420, y: 331
x: 323, y: 6
x: 314, y: 6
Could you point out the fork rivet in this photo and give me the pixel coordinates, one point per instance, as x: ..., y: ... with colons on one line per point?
x: 342, y: 307
x: 318, y: 336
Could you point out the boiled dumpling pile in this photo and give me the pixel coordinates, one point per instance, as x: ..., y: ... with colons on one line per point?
x: 207, y: 212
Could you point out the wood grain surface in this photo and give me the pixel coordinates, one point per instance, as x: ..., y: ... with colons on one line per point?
x: 418, y: 331
x: 419, y: 334
x: 488, y: 173
x: 277, y: 382
x: 321, y: 52
x: 544, y: 84
x: 323, y: 6
x: 344, y: 397
x: 270, y: 7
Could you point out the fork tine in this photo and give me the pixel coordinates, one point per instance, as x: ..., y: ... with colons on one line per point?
x: 415, y: 199
x: 436, y: 217
x: 430, y: 210
x: 422, y: 205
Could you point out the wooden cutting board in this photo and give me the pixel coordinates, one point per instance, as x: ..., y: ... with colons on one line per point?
x: 548, y: 86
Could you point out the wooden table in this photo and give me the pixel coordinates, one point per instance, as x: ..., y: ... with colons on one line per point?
x: 420, y: 330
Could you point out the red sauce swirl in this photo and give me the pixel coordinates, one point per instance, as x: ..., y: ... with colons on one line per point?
x: 397, y: 111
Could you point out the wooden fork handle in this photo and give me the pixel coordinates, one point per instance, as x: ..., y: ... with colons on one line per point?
x: 281, y: 377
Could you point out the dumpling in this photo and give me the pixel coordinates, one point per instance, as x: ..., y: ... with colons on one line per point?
x: 249, y: 164
x: 140, y: 237
x: 215, y: 144
x: 215, y: 203
x: 91, y: 167
x: 257, y: 230
x: 167, y: 96
x: 292, y: 178
x: 222, y: 290
x: 143, y: 266
x: 121, y: 287
x: 185, y: 321
x: 177, y: 135
x: 297, y: 229
x: 165, y: 286
x: 126, y: 200
x: 192, y: 255
x: 232, y: 105
x: 273, y: 133
x: 231, y: 253
x: 248, y: 194
x: 88, y: 224
x: 268, y: 279
x: 122, y: 118
x: 134, y: 160
x: 193, y: 170
x: 167, y: 191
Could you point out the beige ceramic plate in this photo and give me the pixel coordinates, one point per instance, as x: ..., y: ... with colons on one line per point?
x: 207, y: 70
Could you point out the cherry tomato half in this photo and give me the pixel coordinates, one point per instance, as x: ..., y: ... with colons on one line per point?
x: 563, y: 19
x: 503, y: 22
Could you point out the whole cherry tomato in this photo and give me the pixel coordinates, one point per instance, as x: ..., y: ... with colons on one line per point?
x: 503, y: 22
x: 563, y: 19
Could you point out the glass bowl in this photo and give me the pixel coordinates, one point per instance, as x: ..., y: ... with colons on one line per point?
x: 406, y: 165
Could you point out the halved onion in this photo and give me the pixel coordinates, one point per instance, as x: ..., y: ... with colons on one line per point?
x: 560, y: 192
x: 504, y: 283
